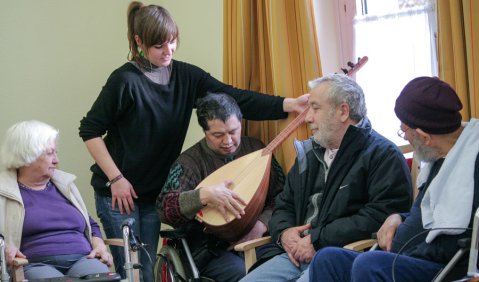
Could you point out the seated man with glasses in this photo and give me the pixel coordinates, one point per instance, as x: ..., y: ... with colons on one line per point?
x: 417, y: 245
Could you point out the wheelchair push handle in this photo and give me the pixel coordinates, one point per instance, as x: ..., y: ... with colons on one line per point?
x: 131, y: 243
x: 128, y: 222
x: 134, y: 242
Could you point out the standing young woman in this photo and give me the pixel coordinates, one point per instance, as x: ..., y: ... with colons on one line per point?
x: 144, y: 109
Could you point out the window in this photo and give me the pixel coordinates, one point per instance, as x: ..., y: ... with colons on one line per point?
x: 398, y: 36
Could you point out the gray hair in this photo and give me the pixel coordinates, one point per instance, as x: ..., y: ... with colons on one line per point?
x: 343, y: 89
x: 24, y: 143
x: 216, y: 106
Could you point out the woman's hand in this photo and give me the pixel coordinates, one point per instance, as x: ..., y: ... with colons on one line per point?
x: 223, y: 199
x: 296, y: 104
x: 100, y: 251
x: 122, y: 193
x: 12, y: 252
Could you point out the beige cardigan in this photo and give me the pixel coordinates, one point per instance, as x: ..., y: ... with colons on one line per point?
x: 12, y: 210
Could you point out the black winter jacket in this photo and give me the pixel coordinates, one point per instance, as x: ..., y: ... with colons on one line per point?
x: 367, y: 181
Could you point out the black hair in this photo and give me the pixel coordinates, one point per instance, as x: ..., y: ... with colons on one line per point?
x: 216, y: 106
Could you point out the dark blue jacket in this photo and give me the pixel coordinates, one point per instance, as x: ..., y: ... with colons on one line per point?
x: 443, y: 247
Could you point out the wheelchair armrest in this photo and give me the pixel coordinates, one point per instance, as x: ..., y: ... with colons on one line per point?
x: 100, y: 277
x: 464, y: 243
x: 172, y: 234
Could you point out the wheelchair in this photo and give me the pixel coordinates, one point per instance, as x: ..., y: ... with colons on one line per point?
x: 174, y: 260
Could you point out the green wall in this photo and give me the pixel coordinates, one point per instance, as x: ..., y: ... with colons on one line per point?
x: 55, y: 56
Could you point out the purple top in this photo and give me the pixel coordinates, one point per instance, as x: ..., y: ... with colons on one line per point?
x: 53, y: 225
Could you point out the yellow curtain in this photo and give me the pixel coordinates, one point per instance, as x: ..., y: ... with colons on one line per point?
x: 270, y: 46
x: 458, y: 49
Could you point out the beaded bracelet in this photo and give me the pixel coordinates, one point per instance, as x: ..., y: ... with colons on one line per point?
x: 109, y: 183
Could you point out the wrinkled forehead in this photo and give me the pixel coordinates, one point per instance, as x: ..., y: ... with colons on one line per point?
x: 319, y: 94
x: 51, y: 146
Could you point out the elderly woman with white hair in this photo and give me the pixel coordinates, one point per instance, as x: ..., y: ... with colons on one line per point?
x: 42, y: 215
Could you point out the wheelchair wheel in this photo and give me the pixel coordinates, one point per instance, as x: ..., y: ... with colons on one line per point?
x: 169, y: 266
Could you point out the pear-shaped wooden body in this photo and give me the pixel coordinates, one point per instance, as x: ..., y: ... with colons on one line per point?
x: 250, y: 176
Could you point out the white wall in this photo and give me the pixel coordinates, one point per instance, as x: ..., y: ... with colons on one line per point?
x: 327, y: 31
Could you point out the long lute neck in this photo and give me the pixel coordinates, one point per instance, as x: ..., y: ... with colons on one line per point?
x: 285, y: 132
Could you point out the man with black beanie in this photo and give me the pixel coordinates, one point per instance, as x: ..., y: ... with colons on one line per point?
x: 418, y: 244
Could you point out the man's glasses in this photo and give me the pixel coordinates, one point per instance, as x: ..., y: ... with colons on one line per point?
x: 401, y: 133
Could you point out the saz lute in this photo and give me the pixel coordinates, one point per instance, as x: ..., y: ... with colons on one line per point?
x: 250, y: 176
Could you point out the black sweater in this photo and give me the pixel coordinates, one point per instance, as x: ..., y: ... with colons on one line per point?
x: 146, y: 123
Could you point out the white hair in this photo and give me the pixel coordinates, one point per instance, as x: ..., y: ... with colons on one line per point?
x: 25, y: 141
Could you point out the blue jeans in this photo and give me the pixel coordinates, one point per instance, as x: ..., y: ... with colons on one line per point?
x: 60, y: 265
x: 146, y: 227
x: 279, y: 268
x: 338, y: 264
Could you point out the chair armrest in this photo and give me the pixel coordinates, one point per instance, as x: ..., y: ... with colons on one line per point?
x: 361, y: 245
x: 114, y: 242
x: 17, y: 269
x: 249, y: 249
x: 19, y: 261
x: 251, y: 244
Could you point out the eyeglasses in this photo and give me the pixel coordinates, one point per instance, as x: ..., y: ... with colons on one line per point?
x: 401, y: 133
